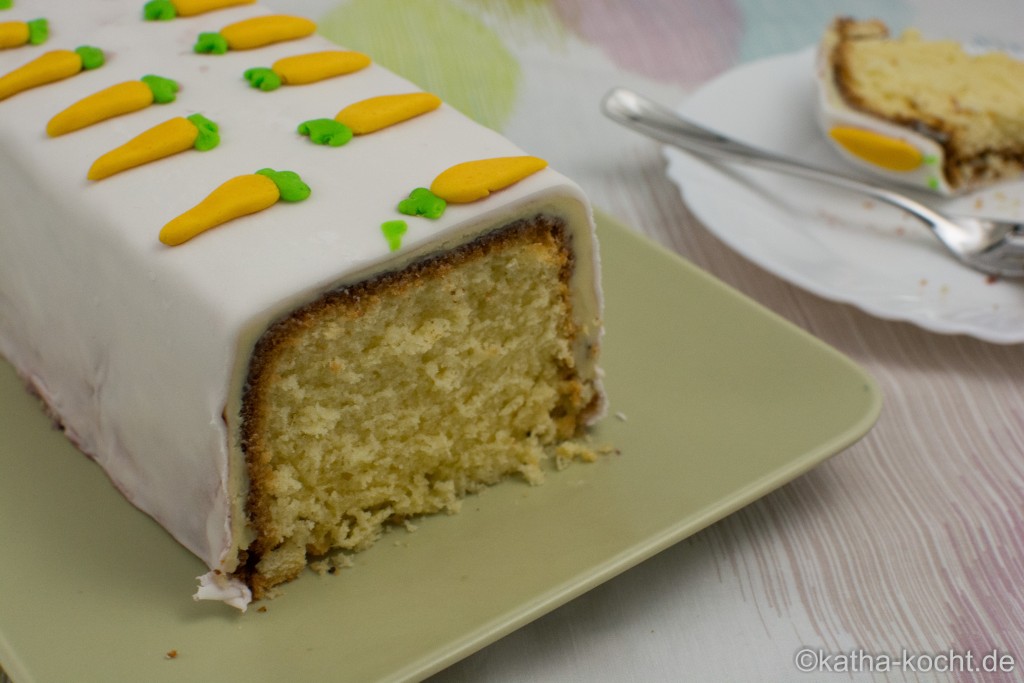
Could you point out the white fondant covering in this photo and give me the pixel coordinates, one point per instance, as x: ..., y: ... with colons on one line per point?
x: 140, y: 349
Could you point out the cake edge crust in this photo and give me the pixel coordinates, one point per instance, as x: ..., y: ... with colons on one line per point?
x: 350, y: 298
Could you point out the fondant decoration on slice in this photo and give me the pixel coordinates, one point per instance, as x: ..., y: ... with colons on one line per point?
x: 163, y: 140
x: 931, y: 161
x: 368, y: 116
x: 240, y: 196
x: 50, y: 67
x: 123, y: 98
x: 305, y: 69
x: 252, y: 33
x: 393, y: 233
x: 884, y: 151
x: 473, y: 180
x: 19, y: 33
x: 423, y: 202
x: 165, y: 10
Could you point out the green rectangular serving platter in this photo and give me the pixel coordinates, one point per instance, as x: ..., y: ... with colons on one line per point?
x: 714, y: 402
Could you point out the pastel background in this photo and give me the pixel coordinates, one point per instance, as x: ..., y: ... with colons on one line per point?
x: 911, y: 539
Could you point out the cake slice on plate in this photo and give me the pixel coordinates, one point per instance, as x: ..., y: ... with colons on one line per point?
x: 922, y: 112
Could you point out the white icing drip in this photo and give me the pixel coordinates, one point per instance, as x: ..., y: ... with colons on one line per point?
x: 217, y: 586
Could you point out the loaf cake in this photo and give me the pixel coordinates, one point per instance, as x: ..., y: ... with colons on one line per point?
x: 921, y: 112
x: 282, y: 297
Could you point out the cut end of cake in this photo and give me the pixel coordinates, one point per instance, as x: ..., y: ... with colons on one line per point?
x: 397, y: 396
x: 338, y: 346
x: 924, y: 112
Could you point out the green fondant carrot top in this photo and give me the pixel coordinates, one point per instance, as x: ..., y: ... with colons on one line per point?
x: 423, y: 202
x: 18, y: 33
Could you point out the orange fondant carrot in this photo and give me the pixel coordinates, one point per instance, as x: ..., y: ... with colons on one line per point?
x: 256, y: 32
x: 308, y: 68
x: 368, y: 116
x: 163, y: 10
x: 50, y: 67
x: 18, y: 33
x: 473, y: 180
x: 163, y: 140
x: 116, y: 100
x: 376, y: 113
x: 240, y: 196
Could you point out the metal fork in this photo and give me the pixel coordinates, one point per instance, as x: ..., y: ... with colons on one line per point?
x: 992, y: 246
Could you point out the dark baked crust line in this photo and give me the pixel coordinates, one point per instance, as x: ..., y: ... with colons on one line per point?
x: 353, y: 301
x: 847, y: 31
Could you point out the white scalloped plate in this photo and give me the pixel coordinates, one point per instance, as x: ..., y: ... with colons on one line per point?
x: 831, y: 242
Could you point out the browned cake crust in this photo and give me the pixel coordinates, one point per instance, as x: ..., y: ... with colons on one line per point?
x: 848, y: 30
x: 352, y: 302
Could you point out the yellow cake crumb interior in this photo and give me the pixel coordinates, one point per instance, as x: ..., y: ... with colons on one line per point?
x: 979, y: 92
x: 396, y: 399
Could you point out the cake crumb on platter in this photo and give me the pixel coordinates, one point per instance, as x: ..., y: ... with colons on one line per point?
x: 584, y: 451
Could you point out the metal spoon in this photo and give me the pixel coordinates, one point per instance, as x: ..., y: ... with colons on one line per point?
x: 992, y: 246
